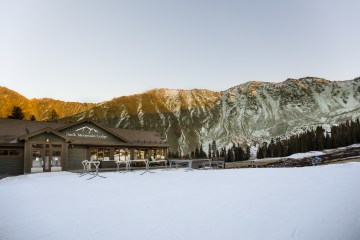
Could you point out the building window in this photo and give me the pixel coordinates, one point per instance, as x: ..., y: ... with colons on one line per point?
x: 56, y: 158
x: 4, y: 152
x: 121, y: 154
x: 15, y: 153
x: 100, y: 154
x: 36, y: 145
x: 56, y: 146
x: 37, y: 158
x: 141, y: 153
x: 159, y: 153
x: 10, y: 152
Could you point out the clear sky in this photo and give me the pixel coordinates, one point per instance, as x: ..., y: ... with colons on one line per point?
x: 92, y: 51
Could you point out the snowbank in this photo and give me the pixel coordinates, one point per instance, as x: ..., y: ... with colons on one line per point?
x: 304, y: 155
x: 281, y: 203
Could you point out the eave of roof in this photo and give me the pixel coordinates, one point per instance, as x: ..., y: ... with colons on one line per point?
x: 11, y: 128
x: 11, y: 145
x: 44, y: 130
x: 120, y: 144
x: 96, y: 124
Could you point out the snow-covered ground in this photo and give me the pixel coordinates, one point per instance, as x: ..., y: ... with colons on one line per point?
x: 279, y: 203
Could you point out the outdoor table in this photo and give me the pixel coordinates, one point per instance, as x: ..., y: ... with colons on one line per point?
x: 127, y: 165
x: 159, y: 161
x: 178, y: 161
x: 189, y: 162
x: 96, y: 174
x: 140, y: 160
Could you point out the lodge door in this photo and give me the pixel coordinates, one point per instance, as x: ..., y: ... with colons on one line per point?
x: 47, y: 156
x: 52, y: 157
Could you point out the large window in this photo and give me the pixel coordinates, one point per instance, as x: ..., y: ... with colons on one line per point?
x: 56, y: 158
x: 159, y: 153
x: 141, y: 153
x: 15, y: 153
x: 100, y: 154
x: 10, y: 152
x: 37, y: 158
x: 121, y: 154
x: 37, y: 145
x: 56, y: 155
x: 4, y: 152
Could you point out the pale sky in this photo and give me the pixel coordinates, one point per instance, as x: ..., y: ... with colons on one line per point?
x: 92, y: 51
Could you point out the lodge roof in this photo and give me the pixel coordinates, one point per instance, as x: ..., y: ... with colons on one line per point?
x: 13, y: 129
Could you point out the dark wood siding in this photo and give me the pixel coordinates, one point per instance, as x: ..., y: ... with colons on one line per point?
x: 46, y: 136
x: 12, y: 165
x: 27, y: 158
x: 75, y: 157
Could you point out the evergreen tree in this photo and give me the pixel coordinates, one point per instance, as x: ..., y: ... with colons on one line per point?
x: 265, y: 151
x: 320, y: 139
x: 17, y: 113
x: 283, y: 148
x: 277, y: 148
x: 349, y: 139
x: 334, y: 137
x: 237, y: 154
x: 311, y: 140
x: 357, y: 134
x: 209, y: 151
x: 202, y: 153
x: 271, y: 148
x: 53, y: 117
x: 223, y: 152
x: 247, y: 155
x: 229, y: 155
x: 197, y: 153
x: 259, y: 154
x: 213, y: 148
x: 353, y: 131
x: 241, y: 154
x: 327, y: 144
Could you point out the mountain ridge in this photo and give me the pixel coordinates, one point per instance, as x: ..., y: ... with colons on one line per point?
x: 38, y: 107
x: 248, y: 113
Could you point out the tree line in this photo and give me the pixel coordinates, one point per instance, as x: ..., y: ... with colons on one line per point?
x: 233, y: 154
x: 317, y: 139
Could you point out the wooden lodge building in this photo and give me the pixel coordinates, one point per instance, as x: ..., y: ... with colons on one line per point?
x: 31, y: 146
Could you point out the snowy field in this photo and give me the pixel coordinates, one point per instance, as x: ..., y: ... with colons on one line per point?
x: 281, y: 203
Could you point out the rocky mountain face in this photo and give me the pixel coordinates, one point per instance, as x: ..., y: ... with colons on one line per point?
x: 40, y: 108
x: 248, y: 113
